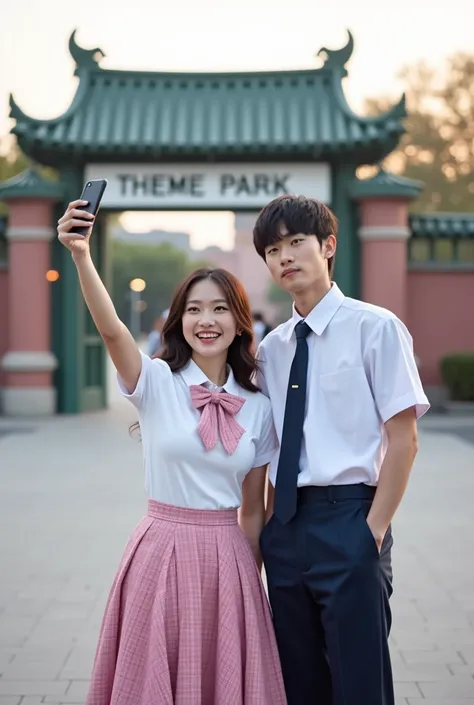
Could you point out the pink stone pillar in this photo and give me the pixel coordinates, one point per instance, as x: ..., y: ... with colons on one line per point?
x: 383, y: 209
x: 28, y: 363
x: 3, y: 316
x: 384, y: 233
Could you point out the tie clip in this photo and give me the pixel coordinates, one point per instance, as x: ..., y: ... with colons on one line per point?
x: 295, y: 386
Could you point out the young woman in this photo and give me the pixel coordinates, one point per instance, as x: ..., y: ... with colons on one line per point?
x: 187, y: 620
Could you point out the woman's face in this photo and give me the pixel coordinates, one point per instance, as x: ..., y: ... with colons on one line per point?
x: 208, y: 324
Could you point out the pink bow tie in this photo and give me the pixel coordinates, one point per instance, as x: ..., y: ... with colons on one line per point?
x: 217, y: 417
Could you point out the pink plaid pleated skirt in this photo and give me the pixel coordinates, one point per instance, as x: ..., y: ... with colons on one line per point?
x: 187, y: 621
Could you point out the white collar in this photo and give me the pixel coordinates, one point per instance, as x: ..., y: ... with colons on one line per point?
x: 192, y: 374
x: 319, y: 318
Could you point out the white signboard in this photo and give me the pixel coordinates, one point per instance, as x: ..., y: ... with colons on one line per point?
x: 201, y: 186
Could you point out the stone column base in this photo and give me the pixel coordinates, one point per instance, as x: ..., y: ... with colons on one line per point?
x: 28, y: 401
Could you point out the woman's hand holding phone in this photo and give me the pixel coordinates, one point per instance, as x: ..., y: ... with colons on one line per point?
x: 74, y: 232
x: 74, y: 217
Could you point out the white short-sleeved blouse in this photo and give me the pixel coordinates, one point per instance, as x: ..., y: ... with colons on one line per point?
x: 178, y: 469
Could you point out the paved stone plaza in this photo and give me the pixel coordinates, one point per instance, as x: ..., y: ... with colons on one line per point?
x: 71, y: 489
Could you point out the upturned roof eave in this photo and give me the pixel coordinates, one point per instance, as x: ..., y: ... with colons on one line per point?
x: 357, y: 154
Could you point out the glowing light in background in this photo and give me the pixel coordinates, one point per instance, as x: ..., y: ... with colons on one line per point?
x: 137, y: 284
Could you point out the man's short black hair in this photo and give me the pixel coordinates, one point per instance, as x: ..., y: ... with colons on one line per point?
x: 290, y: 215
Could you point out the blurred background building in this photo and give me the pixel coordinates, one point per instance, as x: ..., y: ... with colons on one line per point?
x: 208, y: 143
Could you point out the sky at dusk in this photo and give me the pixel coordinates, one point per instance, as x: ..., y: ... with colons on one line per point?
x: 213, y: 35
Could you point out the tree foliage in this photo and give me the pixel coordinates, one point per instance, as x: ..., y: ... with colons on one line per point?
x: 438, y: 147
x: 13, y: 162
x: 161, y: 266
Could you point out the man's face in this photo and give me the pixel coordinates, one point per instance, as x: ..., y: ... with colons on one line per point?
x: 298, y: 262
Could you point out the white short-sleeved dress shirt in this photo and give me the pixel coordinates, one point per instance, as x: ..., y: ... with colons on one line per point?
x: 178, y: 469
x: 361, y: 372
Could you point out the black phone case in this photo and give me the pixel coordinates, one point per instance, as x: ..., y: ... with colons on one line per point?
x: 92, y: 193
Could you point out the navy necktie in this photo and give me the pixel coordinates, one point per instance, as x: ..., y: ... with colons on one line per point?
x: 290, y: 450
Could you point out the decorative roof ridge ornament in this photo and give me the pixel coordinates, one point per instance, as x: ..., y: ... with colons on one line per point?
x: 338, y: 58
x: 15, y: 111
x: 84, y: 58
x: 397, y: 111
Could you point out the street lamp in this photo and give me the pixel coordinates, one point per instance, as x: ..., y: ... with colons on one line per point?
x: 136, y: 288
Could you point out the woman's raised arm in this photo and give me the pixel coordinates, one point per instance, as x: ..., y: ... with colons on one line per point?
x: 119, y: 341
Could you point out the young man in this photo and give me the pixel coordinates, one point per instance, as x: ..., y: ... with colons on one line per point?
x: 346, y: 396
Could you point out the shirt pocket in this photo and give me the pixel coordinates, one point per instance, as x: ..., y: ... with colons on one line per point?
x: 347, y: 399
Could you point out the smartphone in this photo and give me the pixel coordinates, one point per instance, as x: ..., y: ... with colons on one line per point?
x: 92, y: 193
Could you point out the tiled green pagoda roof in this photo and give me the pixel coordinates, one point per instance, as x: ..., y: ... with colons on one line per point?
x: 30, y: 184
x: 127, y: 115
x: 441, y: 225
